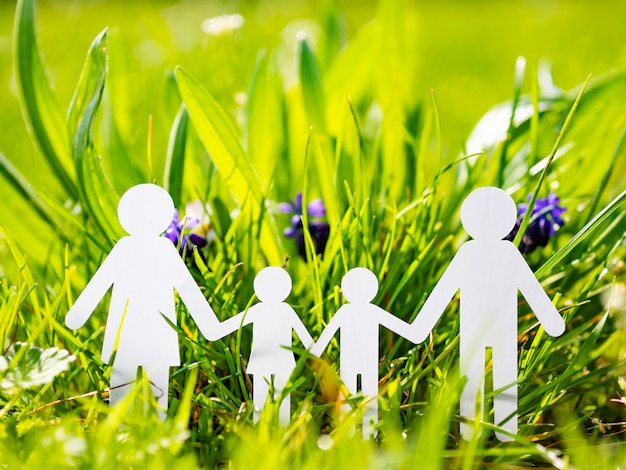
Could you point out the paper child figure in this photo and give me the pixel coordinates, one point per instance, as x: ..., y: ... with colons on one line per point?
x: 489, y: 271
x: 271, y: 363
x: 359, y: 321
x: 144, y: 270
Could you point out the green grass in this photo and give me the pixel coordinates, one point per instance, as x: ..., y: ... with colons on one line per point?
x: 345, y: 114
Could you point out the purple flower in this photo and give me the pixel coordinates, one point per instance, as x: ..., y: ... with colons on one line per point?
x: 545, y: 220
x: 318, y: 230
x: 179, y: 233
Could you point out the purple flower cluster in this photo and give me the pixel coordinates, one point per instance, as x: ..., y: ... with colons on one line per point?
x: 179, y: 233
x: 545, y: 220
x: 319, y: 230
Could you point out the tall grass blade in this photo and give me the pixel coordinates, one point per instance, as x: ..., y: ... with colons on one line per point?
x: 265, y: 138
x: 98, y: 197
x: 320, y: 145
x: 520, y: 69
x: 312, y: 88
x: 20, y: 184
x: 175, y: 159
x: 555, y: 147
x: 42, y: 113
x: 220, y: 139
x: 392, y: 91
x: 25, y: 272
x: 619, y: 151
x: 582, y: 234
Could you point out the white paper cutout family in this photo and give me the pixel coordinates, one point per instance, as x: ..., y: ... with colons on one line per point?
x: 145, y: 269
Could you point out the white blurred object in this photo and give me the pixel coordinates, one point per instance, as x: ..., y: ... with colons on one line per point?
x: 219, y: 25
x: 492, y: 127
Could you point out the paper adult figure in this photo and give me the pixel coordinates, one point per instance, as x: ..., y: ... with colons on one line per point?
x: 273, y: 320
x: 144, y: 270
x: 489, y: 271
x: 359, y: 322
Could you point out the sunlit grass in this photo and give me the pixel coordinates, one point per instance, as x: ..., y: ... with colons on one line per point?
x: 337, y: 119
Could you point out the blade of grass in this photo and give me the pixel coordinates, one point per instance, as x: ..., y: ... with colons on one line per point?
x: 555, y: 147
x: 71, y: 220
x: 265, y: 135
x: 582, y: 234
x: 392, y: 91
x: 20, y: 184
x: 220, y: 139
x: 313, y: 97
x: 42, y: 113
x: 98, y: 196
x: 25, y: 272
x: 175, y: 159
x: 619, y: 151
x: 312, y: 88
x: 520, y: 69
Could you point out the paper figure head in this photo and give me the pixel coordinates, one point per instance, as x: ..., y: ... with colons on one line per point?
x: 488, y: 213
x: 272, y: 284
x: 359, y: 285
x: 145, y: 209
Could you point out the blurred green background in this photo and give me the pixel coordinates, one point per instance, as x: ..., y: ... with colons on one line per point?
x: 464, y: 51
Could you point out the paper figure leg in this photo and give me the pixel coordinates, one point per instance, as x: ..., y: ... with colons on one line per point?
x: 350, y: 381
x: 122, y: 380
x: 159, y: 385
x: 472, y: 365
x: 369, y: 388
x: 505, y: 402
x: 284, y: 412
x: 260, y: 391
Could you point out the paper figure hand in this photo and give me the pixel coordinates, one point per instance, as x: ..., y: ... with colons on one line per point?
x: 317, y: 349
x: 208, y: 324
x: 86, y: 302
x: 557, y: 328
x: 76, y: 317
x: 419, y: 330
x: 203, y: 322
x: 319, y: 346
x: 228, y: 326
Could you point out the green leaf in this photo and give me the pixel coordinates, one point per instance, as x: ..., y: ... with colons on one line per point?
x: 98, y: 196
x: 219, y: 138
x: 264, y: 132
x: 393, y: 89
x: 19, y: 182
x: 321, y: 147
x: 312, y: 88
x: 175, y: 160
x: 334, y: 38
x: 350, y: 75
x: 584, y: 355
x: 25, y: 272
x: 582, y: 234
x: 42, y: 113
x: 555, y: 147
x: 221, y: 142
x: 26, y: 366
x: 220, y: 220
x: 520, y: 71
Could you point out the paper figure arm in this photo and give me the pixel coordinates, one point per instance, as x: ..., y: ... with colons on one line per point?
x: 303, y: 333
x: 538, y: 300
x: 199, y: 309
x: 398, y: 326
x: 233, y: 323
x: 437, y: 301
x: 194, y: 300
x: 93, y: 292
x: 333, y: 325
